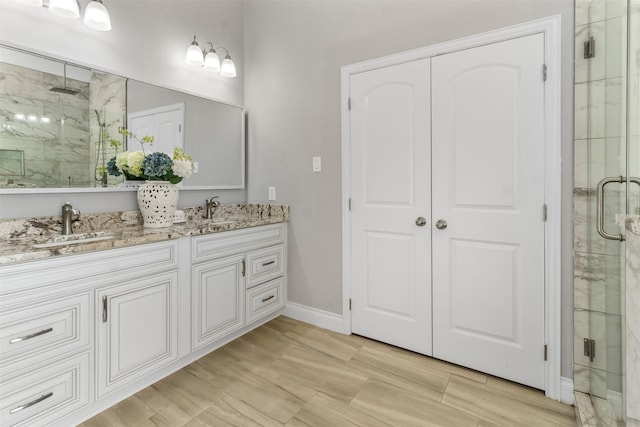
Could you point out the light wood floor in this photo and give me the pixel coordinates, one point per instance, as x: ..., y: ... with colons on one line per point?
x: 290, y: 373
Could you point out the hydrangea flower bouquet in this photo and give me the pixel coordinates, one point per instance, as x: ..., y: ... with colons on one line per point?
x: 155, y: 166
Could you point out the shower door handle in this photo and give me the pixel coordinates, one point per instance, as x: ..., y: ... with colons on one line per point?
x: 600, y: 207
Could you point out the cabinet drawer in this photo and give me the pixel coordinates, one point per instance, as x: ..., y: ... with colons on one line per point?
x: 216, y: 245
x: 265, y: 299
x: 265, y: 264
x: 25, y: 278
x: 45, y: 395
x: 29, y: 334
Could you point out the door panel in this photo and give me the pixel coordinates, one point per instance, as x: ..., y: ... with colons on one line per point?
x: 488, y: 184
x: 164, y: 124
x: 137, y: 333
x: 496, y: 265
x: 390, y: 166
x: 217, y: 299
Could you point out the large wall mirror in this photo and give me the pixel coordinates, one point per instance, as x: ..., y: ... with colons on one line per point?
x: 58, y: 119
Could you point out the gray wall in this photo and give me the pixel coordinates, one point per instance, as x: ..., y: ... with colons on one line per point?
x: 294, y: 51
x: 148, y: 43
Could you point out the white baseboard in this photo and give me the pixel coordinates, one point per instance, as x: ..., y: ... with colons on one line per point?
x: 566, y: 391
x: 316, y: 317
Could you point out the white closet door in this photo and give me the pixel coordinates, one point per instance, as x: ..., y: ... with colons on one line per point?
x: 165, y: 124
x: 390, y: 174
x: 488, y: 185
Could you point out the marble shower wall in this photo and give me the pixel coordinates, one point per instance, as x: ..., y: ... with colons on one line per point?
x: 634, y: 105
x: 107, y: 96
x: 48, y: 130
x: 633, y: 322
x: 600, y: 151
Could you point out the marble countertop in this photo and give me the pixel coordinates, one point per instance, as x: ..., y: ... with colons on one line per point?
x: 29, y: 239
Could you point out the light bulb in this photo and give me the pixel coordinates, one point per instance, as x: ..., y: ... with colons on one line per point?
x: 97, y: 17
x: 211, y: 61
x: 194, y: 54
x: 228, y: 68
x: 65, y: 8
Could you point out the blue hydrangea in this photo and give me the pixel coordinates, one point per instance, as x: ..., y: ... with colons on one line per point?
x: 112, y: 168
x: 157, y: 165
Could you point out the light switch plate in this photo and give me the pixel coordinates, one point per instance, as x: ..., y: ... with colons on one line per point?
x: 272, y: 193
x: 317, y: 164
x: 195, y: 167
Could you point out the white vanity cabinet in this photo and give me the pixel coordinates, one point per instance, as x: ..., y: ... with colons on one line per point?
x: 137, y: 329
x: 44, y: 358
x: 226, y: 268
x: 217, y: 293
x: 79, y: 333
x: 136, y: 314
x: 48, y: 320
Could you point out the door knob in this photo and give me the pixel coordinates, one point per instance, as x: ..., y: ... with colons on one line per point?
x: 441, y: 224
x: 421, y: 221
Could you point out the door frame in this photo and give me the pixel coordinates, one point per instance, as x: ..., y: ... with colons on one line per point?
x: 550, y: 27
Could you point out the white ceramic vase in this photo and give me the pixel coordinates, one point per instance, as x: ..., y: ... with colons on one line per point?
x: 157, y: 201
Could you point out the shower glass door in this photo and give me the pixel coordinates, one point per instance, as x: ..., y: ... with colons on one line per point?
x: 607, y: 159
x: 631, y: 358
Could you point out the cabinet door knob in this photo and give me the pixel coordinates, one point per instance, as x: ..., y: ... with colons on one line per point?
x: 441, y: 224
x: 421, y: 221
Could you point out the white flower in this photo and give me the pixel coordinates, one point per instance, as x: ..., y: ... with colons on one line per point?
x: 134, y: 162
x: 182, y: 168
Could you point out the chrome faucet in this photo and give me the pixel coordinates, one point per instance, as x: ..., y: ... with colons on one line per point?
x: 210, y: 207
x: 67, y: 216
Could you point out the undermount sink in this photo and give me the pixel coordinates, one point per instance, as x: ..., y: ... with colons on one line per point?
x: 75, y: 239
x: 214, y: 222
x: 210, y: 222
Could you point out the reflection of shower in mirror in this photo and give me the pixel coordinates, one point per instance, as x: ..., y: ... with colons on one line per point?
x: 65, y: 89
x: 101, y: 154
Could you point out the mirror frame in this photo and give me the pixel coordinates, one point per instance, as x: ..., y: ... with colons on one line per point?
x: 44, y: 190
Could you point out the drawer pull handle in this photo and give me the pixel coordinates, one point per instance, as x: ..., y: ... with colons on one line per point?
x: 264, y: 264
x: 268, y: 298
x: 33, y: 335
x: 33, y: 402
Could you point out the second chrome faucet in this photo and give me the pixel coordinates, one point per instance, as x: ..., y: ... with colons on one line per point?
x: 67, y: 217
x: 210, y: 206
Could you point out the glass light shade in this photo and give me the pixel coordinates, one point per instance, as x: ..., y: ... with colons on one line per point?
x: 228, y: 68
x: 97, y: 17
x: 194, y: 55
x: 212, y: 62
x: 65, y: 8
x: 33, y: 3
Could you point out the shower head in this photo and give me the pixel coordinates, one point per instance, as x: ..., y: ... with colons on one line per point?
x: 65, y: 89
x: 101, y: 124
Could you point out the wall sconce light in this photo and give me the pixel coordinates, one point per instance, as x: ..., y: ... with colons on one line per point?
x: 96, y: 15
x: 209, y: 59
